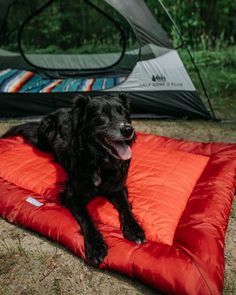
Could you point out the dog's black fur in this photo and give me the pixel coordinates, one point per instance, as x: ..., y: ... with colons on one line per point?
x: 92, y: 142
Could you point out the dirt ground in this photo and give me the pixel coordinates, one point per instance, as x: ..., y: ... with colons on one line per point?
x: 31, y: 264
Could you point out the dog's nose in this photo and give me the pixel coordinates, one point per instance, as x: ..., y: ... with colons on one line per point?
x: 126, y: 129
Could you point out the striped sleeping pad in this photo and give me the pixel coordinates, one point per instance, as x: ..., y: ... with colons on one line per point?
x: 12, y: 81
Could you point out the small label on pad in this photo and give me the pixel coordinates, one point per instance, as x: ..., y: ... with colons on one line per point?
x: 34, y: 202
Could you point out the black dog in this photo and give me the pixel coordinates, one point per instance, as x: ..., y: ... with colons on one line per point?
x: 92, y: 142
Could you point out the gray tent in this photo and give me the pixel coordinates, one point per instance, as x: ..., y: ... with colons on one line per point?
x: 39, y: 81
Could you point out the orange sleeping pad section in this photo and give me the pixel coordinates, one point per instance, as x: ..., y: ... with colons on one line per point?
x: 162, y: 192
x: 175, y: 189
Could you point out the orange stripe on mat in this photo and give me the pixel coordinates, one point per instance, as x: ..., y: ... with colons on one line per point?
x: 51, y: 86
x: 16, y: 86
x: 90, y: 85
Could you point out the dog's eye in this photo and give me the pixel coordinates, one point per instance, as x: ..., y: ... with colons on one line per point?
x: 102, y: 116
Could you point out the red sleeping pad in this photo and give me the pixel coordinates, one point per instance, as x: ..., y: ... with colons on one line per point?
x: 181, y: 193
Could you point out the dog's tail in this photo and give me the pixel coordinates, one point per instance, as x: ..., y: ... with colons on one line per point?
x: 29, y: 131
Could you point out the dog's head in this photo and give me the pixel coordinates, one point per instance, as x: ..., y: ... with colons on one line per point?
x: 105, y: 120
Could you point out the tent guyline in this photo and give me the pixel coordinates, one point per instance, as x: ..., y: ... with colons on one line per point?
x: 184, y: 44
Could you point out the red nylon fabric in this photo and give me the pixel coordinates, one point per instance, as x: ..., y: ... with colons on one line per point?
x: 181, y: 193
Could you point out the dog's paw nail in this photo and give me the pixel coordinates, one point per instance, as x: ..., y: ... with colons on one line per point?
x: 95, y: 261
x: 139, y: 241
x: 133, y: 232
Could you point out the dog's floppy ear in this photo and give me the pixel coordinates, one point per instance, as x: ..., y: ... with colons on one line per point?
x: 79, y: 109
x: 123, y: 97
x: 125, y: 102
x: 47, y: 132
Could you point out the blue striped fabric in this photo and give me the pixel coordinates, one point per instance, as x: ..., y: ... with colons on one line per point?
x: 67, y: 85
x: 6, y: 78
x: 97, y: 85
x: 34, y: 83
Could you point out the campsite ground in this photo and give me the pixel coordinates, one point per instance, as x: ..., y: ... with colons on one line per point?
x: 31, y: 264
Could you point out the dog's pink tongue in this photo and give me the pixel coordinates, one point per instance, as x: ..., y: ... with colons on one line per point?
x: 123, y: 150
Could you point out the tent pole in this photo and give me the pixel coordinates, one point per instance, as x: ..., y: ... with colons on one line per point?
x: 191, y: 57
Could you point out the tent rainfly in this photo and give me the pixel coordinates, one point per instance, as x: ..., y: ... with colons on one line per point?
x: 39, y: 81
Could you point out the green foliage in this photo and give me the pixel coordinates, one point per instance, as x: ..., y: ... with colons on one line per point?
x: 74, y: 25
x: 203, y: 24
x: 217, y: 68
x: 219, y: 59
x: 66, y: 26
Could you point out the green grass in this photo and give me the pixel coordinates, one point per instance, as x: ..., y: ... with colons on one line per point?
x: 217, y: 68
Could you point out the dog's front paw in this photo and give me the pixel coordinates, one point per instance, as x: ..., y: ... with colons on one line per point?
x: 95, y: 249
x: 133, y: 232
